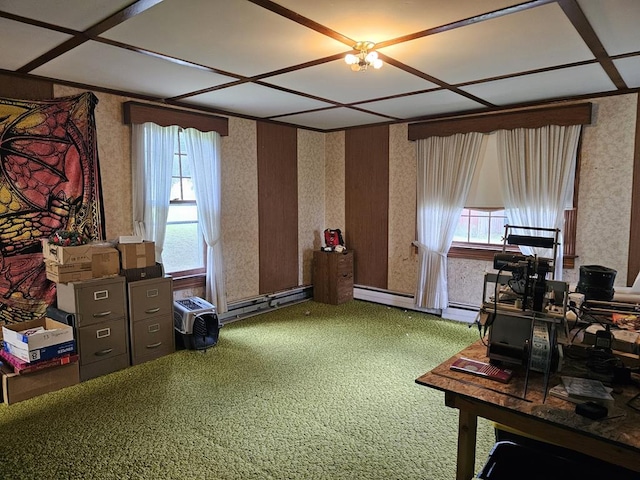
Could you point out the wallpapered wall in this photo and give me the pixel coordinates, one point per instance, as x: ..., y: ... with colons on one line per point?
x: 604, y: 197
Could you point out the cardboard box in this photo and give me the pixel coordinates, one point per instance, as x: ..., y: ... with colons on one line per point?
x: 105, y: 262
x: 54, y: 333
x: 42, y: 353
x: 73, y: 272
x: 137, y: 255
x: 66, y: 255
x: 136, y: 274
x: 16, y: 388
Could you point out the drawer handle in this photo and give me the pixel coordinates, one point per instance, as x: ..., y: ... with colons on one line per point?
x: 154, y: 345
x: 103, y: 332
x: 102, y: 314
x: 155, y: 327
x: 102, y: 353
x: 152, y: 310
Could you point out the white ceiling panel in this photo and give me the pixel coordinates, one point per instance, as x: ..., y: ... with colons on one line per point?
x: 615, y: 23
x: 120, y: 69
x: 347, y: 86
x: 256, y: 100
x: 629, y: 68
x: 233, y: 36
x: 333, y: 118
x: 430, y: 103
x: 23, y: 43
x: 75, y: 14
x: 502, y: 53
x: 378, y: 20
x: 535, y: 38
x: 565, y: 82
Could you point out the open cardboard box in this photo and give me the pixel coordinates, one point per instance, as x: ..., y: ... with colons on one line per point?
x: 16, y: 387
x: 35, y: 345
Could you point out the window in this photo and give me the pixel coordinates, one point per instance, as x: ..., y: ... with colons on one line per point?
x: 480, y: 227
x: 184, y: 249
x: 480, y: 230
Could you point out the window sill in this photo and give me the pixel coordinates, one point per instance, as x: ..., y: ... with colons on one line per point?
x: 189, y: 281
x: 486, y: 253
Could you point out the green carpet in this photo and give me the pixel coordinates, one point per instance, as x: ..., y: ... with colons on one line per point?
x: 309, y: 391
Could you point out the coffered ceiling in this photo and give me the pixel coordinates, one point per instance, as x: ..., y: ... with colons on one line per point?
x: 283, y: 60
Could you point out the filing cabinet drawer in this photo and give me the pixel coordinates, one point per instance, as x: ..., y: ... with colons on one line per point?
x: 153, y: 297
x: 93, y: 301
x: 151, y: 338
x: 102, y: 341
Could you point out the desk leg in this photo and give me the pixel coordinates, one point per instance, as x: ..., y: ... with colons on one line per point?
x: 467, y: 427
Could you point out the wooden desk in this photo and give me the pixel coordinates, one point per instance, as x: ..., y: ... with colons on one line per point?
x: 615, y: 440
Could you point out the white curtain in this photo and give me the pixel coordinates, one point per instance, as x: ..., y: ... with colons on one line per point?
x: 152, y: 148
x: 203, y: 151
x: 445, y: 170
x: 537, y: 173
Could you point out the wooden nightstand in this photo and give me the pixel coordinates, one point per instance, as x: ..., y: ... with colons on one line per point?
x: 332, y: 277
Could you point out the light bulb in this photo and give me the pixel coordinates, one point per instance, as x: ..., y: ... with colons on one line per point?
x: 371, y: 57
x: 350, y: 59
x: 377, y: 63
x: 355, y: 67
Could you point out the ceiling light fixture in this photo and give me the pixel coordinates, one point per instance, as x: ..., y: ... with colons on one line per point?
x: 363, y: 60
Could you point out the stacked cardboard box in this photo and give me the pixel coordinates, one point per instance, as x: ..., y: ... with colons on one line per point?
x: 138, y: 261
x: 37, y: 357
x: 83, y: 262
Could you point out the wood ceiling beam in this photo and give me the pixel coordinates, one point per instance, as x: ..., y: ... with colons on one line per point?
x: 93, y: 31
x: 580, y: 22
x: 296, y: 17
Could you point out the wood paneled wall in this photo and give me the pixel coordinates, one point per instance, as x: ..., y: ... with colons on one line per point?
x: 367, y: 203
x: 277, y: 206
x: 13, y: 86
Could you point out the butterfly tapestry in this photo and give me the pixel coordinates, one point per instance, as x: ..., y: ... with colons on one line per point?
x: 49, y: 181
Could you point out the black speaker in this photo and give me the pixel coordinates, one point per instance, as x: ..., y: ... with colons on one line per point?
x: 596, y: 282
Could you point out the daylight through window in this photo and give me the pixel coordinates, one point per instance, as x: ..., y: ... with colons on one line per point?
x: 183, y: 251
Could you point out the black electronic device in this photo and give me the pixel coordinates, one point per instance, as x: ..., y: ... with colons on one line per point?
x: 592, y: 410
x: 529, y: 277
x: 604, y: 339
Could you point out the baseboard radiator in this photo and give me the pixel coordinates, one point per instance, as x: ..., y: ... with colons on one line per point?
x: 458, y: 312
x: 264, y: 303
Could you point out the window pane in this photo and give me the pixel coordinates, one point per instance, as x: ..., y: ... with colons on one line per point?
x: 183, y: 248
x: 188, y: 192
x: 175, y: 168
x: 186, y: 167
x: 497, y: 230
x: 182, y: 213
x: 175, y: 194
x: 479, y: 230
x: 462, y: 230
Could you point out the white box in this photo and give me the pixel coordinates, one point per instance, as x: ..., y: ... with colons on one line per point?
x: 53, y: 334
x: 44, y: 353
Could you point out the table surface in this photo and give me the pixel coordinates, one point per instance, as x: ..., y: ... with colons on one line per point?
x: 552, y: 419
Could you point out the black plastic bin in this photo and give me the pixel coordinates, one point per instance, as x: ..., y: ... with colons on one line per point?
x: 509, y: 460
